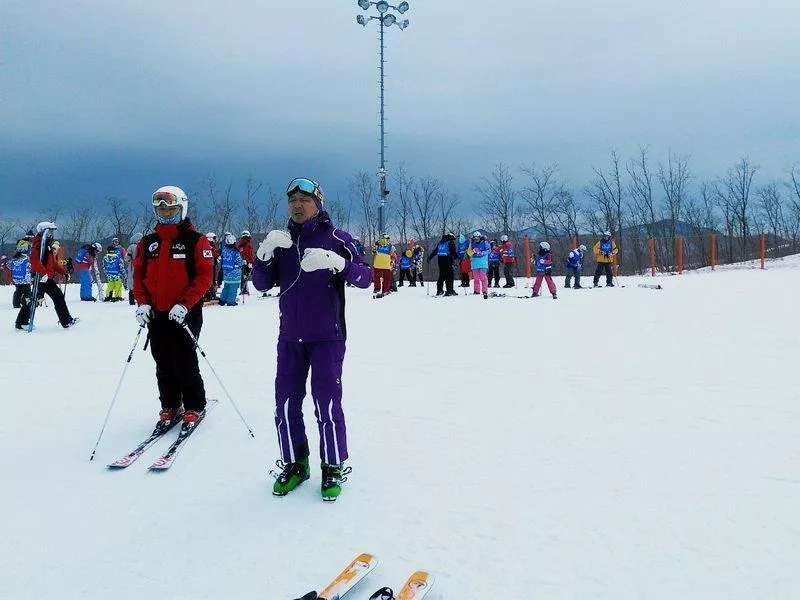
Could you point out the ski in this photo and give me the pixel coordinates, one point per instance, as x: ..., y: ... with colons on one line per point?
x: 137, y: 452
x: 36, y: 279
x: 651, y: 286
x: 166, y: 460
x: 346, y: 580
x: 416, y: 587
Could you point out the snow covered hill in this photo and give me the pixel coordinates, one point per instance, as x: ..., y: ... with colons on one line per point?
x: 615, y: 443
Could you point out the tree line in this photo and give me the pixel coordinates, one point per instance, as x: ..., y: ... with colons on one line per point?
x: 637, y: 199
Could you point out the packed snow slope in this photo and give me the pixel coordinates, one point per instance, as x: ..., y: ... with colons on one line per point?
x: 616, y: 443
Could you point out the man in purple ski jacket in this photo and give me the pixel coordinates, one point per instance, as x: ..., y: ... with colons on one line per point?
x: 311, y: 264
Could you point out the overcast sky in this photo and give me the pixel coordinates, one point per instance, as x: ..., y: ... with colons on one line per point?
x: 106, y: 98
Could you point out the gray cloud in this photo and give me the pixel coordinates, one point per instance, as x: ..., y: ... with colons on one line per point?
x: 113, y: 99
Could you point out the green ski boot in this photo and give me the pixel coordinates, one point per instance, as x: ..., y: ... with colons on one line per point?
x: 333, y: 476
x: 292, y: 474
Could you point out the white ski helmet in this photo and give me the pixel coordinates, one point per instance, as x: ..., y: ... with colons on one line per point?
x: 544, y: 246
x: 582, y: 248
x: 476, y: 234
x: 97, y: 246
x: 607, y: 234
x: 245, y: 233
x: 171, y: 195
x: 45, y: 225
x: 211, y: 236
x: 230, y: 239
x: 504, y: 238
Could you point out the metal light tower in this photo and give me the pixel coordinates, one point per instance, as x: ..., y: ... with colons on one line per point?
x: 385, y: 19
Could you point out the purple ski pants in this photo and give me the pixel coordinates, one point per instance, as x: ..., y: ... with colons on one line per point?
x: 325, y: 360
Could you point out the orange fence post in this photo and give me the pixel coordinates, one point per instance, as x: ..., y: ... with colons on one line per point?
x: 527, y: 257
x: 763, y: 249
x: 652, y: 244
x: 574, y: 242
x: 713, y: 250
x: 680, y: 255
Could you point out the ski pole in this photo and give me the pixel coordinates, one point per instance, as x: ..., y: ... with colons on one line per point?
x: 222, y: 385
x: 116, y: 392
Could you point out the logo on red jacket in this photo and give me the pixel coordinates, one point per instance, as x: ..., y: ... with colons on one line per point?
x: 207, y: 254
x: 153, y: 247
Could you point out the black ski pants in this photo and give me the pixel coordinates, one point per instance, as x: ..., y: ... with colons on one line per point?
x: 405, y: 274
x: 177, y: 369
x: 446, y: 277
x: 494, y: 274
x: 49, y: 287
x: 508, y: 273
x: 600, y: 270
x: 573, y: 272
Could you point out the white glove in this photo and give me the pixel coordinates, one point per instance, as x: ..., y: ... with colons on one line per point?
x: 178, y: 313
x: 317, y: 258
x: 275, y: 239
x: 43, y: 278
x: 143, y: 314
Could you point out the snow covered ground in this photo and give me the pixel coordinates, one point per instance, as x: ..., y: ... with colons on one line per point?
x: 615, y: 443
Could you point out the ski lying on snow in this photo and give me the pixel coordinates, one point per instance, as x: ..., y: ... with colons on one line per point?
x: 137, y: 452
x: 346, y: 580
x: 415, y: 588
x: 166, y: 460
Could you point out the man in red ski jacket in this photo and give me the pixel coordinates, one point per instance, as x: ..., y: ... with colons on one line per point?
x: 172, y: 271
x: 47, y: 271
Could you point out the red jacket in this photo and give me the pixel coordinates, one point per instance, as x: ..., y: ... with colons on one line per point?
x: 50, y: 266
x: 245, y: 246
x: 160, y: 272
x: 504, y: 249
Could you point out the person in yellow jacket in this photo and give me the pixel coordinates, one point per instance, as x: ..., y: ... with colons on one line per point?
x: 605, y: 250
x: 383, y: 255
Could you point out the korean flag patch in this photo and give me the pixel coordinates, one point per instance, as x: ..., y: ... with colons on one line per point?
x: 207, y: 254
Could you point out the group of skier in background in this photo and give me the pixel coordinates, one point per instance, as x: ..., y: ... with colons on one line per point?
x: 480, y: 260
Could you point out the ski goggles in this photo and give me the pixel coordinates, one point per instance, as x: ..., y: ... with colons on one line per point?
x: 166, y: 198
x: 306, y: 186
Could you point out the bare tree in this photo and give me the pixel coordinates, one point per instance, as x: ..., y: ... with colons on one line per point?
x: 446, y: 205
x: 430, y: 204
x: 770, y: 204
x: 606, y: 190
x: 122, y: 219
x: 499, y: 199
x: 674, y: 179
x: 541, y: 195
x: 79, y: 224
x: 403, y: 185
x: 362, y: 189
x: 735, y: 195
x: 7, y: 227
x: 339, y: 211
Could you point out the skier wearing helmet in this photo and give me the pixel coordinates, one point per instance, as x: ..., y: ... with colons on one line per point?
x: 605, y: 252
x: 211, y: 293
x: 507, y: 256
x: 574, y: 265
x: 171, y: 272
x: 245, y: 246
x: 544, y: 268
x: 44, y: 263
x: 312, y: 262
x: 478, y: 252
x: 83, y: 264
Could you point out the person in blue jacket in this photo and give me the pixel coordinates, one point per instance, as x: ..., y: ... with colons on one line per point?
x: 494, y: 264
x: 406, y: 263
x: 112, y: 266
x: 312, y: 262
x: 20, y: 266
x: 84, y: 261
x: 232, y: 263
x: 574, y: 265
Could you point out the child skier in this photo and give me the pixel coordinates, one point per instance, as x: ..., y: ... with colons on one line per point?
x: 405, y: 268
x: 478, y: 253
x: 574, y: 265
x: 232, y: 263
x: 112, y: 265
x: 494, y: 264
x: 84, y: 260
x: 20, y: 266
x: 544, y: 268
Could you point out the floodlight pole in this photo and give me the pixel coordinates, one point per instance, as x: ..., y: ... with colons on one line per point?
x: 382, y: 172
x: 383, y: 8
